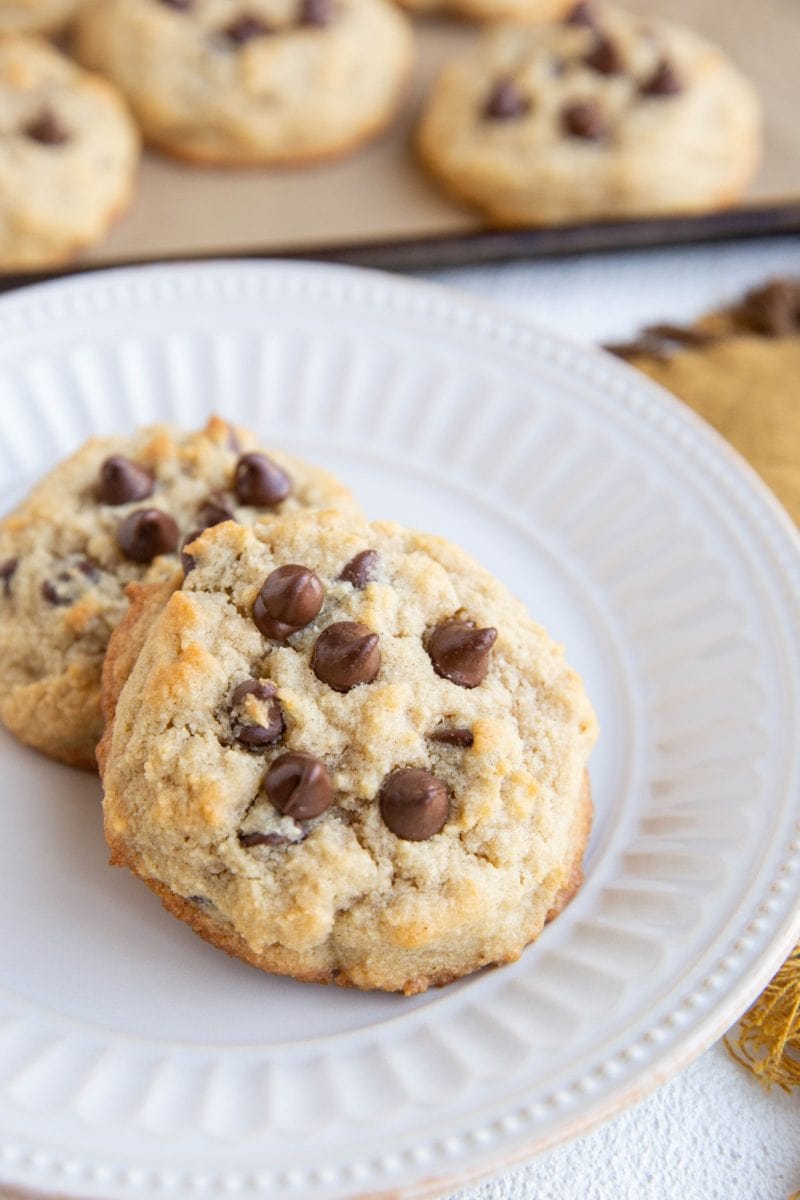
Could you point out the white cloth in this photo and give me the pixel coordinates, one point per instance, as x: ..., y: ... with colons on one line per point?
x: 712, y: 1133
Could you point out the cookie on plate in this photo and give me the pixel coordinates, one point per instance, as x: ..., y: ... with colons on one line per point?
x: 494, y: 10
x: 69, y: 151
x: 601, y: 115
x: 35, y: 16
x: 344, y: 752
x: 252, y: 81
x: 118, y: 511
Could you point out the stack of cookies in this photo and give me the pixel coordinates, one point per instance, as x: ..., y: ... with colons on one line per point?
x: 340, y: 751
x: 562, y: 111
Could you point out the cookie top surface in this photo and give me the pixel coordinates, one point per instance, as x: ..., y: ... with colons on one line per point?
x: 494, y: 10
x: 252, y: 80
x: 391, y: 794
x: 35, y: 16
x: 117, y: 511
x: 602, y: 114
x: 68, y: 155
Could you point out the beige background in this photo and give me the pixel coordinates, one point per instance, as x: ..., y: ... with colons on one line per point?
x: 380, y: 194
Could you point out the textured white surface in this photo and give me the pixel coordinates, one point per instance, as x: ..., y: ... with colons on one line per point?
x: 712, y: 1133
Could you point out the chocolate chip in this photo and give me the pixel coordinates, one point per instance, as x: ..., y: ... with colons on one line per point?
x: 772, y: 310
x: 89, y: 568
x: 583, y: 13
x: 187, y: 560
x: 146, y: 533
x: 460, y: 652
x: 414, y: 804
x: 361, y: 569
x: 7, y: 571
x: 262, y: 839
x: 605, y: 57
x: 53, y: 596
x: 299, y: 786
x: 244, y: 28
x: 47, y: 130
x: 316, y: 12
x: 585, y: 119
x: 665, y: 81
x: 506, y: 101
x: 260, y: 481
x: 256, y: 735
x: 215, y: 509
x: 122, y: 481
x: 453, y: 737
x: 290, y: 597
x: 71, y: 582
x: 345, y: 655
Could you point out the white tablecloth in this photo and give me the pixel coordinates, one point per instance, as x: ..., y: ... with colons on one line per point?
x: 712, y: 1133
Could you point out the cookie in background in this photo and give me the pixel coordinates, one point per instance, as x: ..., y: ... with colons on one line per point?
x: 493, y: 10
x: 602, y: 115
x: 36, y: 16
x: 69, y: 153
x: 272, y: 81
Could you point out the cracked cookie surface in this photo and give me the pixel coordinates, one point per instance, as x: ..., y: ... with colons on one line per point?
x: 116, y: 512
x: 386, y: 789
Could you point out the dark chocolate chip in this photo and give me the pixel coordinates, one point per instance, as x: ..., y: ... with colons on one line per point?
x: 585, y: 119
x: 7, y: 571
x: 89, y: 568
x: 244, y: 28
x: 605, y: 57
x: 345, y: 655
x: 665, y: 81
x: 146, y: 533
x: 460, y: 652
x: 453, y: 737
x: 70, y: 583
x: 414, y: 804
x: 260, y: 481
x: 290, y: 597
x: 122, y: 481
x: 215, y: 509
x: 47, y: 130
x: 262, y: 839
x: 583, y: 13
x: 299, y: 786
x: 361, y: 569
x: 316, y: 12
x: 258, y: 735
x: 187, y: 560
x: 506, y: 101
x: 53, y: 596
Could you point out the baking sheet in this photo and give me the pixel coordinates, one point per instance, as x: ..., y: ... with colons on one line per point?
x: 379, y: 207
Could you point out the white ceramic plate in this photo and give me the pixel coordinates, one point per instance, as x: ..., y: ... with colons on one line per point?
x: 136, y: 1061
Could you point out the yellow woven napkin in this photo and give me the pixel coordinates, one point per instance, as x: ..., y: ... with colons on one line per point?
x: 740, y: 370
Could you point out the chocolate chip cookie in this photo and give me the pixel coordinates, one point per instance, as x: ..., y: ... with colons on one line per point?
x: 69, y: 152
x: 118, y: 511
x: 35, y: 16
x: 252, y: 81
x: 601, y: 115
x: 494, y: 10
x: 344, y: 752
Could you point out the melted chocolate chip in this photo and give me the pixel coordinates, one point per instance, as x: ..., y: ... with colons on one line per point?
x: 7, y: 572
x: 244, y: 28
x: 414, y: 804
x: 47, y: 130
x: 453, y: 737
x: 361, y: 569
x: 290, y: 597
x: 146, y: 533
x: 315, y: 12
x: 299, y: 786
x: 460, y: 652
x: 345, y: 655
x: 585, y: 119
x: 583, y: 13
x: 218, y: 507
x: 665, y: 81
x: 121, y: 480
x: 262, y: 839
x: 251, y: 734
x: 506, y: 101
x: 605, y: 57
x: 260, y: 481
